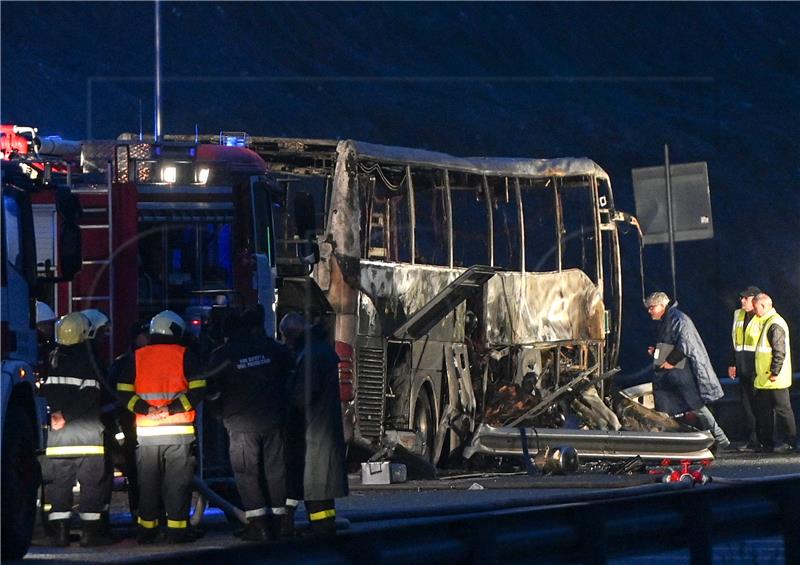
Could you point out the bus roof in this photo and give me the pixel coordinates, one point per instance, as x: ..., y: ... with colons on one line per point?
x: 278, y: 148
x: 532, y: 168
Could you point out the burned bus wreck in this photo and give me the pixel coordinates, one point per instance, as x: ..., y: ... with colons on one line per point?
x: 470, y: 298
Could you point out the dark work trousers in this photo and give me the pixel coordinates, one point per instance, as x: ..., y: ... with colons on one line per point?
x: 259, y: 467
x: 125, y: 457
x: 165, y: 473
x: 295, y: 455
x: 748, y: 393
x: 91, y: 472
x: 321, y: 516
x: 773, y: 406
x: 121, y: 454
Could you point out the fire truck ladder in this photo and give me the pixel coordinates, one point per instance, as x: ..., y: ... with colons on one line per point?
x: 94, y: 285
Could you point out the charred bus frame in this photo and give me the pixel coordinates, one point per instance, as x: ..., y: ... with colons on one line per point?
x: 467, y: 296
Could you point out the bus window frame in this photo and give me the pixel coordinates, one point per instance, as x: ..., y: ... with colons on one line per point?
x: 590, y: 184
x: 412, y: 215
x: 520, y: 266
x: 549, y: 184
x: 487, y: 204
x: 447, y: 209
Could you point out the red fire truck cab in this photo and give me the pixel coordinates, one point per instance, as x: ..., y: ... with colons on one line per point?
x: 175, y: 226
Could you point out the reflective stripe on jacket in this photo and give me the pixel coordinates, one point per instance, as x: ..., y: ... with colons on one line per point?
x: 745, y: 339
x: 72, y: 389
x: 764, y: 355
x: 160, y: 379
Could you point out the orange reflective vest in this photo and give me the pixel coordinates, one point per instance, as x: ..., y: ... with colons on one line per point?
x: 160, y: 379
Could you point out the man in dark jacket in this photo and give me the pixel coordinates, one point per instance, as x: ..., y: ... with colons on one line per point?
x: 315, y: 437
x: 684, y: 380
x: 75, y: 449
x: 248, y: 384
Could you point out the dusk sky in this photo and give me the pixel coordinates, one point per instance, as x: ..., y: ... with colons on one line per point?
x: 718, y: 82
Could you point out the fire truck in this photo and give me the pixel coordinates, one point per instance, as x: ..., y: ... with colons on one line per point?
x: 179, y: 225
x: 26, y: 175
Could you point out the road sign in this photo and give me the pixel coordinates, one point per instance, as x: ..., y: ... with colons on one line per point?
x: 691, y: 202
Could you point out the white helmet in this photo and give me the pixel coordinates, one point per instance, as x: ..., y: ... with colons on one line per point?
x: 96, y: 321
x: 72, y: 329
x: 167, y: 323
x: 44, y: 313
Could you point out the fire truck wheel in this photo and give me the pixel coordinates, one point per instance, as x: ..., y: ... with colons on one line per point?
x: 424, y: 424
x: 20, y: 479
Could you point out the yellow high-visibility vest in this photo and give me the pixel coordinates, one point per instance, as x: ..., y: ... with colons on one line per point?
x: 745, y: 338
x: 764, y: 355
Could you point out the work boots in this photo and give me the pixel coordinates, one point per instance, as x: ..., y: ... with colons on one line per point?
x: 323, y: 528
x: 180, y: 535
x: 146, y: 536
x: 60, y: 533
x: 258, y: 529
x: 93, y: 534
x: 287, y: 522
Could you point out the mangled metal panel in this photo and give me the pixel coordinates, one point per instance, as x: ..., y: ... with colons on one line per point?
x: 543, y: 307
x: 391, y: 292
x: 467, y: 285
x: 521, y: 307
x: 344, y: 214
x: 594, y: 444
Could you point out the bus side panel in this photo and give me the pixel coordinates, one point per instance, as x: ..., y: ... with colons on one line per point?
x: 543, y: 307
x: 393, y: 292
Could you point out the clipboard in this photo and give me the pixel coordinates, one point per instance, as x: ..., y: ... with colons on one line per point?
x: 661, y: 352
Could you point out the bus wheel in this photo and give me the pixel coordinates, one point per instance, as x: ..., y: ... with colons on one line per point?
x: 424, y: 425
x: 20, y: 478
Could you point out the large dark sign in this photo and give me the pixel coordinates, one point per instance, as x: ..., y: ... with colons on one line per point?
x: 691, y: 202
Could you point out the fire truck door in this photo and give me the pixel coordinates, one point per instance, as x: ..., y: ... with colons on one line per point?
x: 264, y: 238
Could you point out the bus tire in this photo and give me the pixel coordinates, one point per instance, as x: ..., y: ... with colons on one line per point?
x: 20, y: 479
x: 424, y: 424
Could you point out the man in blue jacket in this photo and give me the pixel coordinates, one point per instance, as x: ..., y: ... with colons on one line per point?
x: 685, y: 381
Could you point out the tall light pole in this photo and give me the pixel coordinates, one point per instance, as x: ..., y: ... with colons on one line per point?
x: 157, y: 126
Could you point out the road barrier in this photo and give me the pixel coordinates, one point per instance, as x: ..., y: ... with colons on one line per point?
x: 591, y: 531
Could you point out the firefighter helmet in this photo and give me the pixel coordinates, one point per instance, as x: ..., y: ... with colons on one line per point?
x: 96, y: 321
x: 44, y: 313
x: 167, y: 323
x: 72, y: 329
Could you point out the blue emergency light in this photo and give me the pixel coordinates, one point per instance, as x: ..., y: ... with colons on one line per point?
x: 233, y: 138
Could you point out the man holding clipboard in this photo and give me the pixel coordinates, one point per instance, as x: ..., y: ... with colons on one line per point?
x: 685, y: 381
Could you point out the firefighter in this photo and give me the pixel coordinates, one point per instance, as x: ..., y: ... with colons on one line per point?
x: 250, y: 372
x: 162, y: 385
x: 75, y: 441
x: 316, y: 465
x: 125, y: 420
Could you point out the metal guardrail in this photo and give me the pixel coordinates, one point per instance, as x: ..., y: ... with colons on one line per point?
x: 590, y: 532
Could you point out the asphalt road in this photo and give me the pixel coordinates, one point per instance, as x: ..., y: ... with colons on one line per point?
x: 372, y: 507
